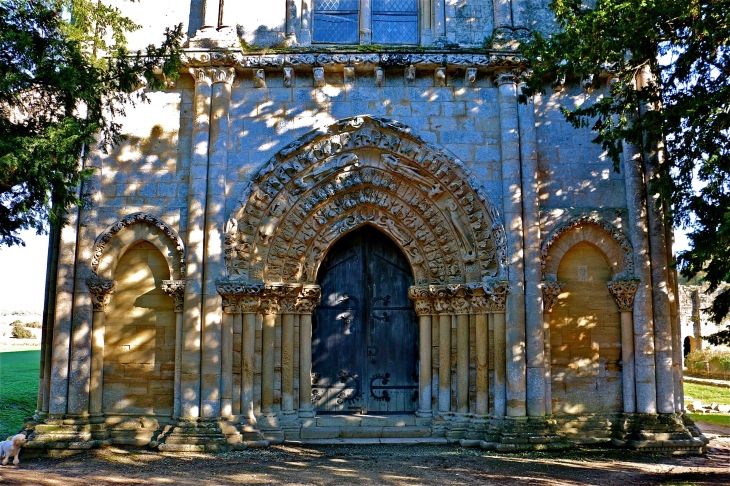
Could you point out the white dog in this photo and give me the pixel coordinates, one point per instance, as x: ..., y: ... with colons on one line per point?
x: 11, y: 447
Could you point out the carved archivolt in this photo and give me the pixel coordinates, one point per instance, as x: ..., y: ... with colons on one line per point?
x: 617, y: 247
x: 174, y: 241
x: 364, y: 171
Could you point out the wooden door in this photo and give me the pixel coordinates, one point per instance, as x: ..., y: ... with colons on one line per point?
x: 365, y: 335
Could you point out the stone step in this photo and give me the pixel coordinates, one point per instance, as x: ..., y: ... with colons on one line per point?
x: 354, y: 441
x: 361, y: 432
x: 365, y: 420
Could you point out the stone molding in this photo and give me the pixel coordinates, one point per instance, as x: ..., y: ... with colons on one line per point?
x: 550, y: 291
x: 176, y: 290
x: 338, y: 60
x: 100, y: 289
x: 613, y: 232
x: 364, y: 170
x: 268, y: 299
x: 130, y: 220
x: 623, y: 292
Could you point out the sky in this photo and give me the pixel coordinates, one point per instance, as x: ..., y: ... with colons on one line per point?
x: 24, y: 271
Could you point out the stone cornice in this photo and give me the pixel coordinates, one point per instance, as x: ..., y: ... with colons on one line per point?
x: 333, y: 59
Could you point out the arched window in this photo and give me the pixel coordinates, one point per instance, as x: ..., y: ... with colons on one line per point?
x: 390, y: 21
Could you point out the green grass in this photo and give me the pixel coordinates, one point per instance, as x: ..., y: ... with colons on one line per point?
x: 18, y: 389
x: 711, y: 418
x: 707, y: 394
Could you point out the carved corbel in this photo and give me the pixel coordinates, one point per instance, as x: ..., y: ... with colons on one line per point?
x: 471, y: 75
x: 259, y: 78
x: 623, y: 292
x: 550, y: 291
x: 288, y: 77
x: 411, y: 73
x: 440, y: 77
x: 100, y: 289
x: 349, y: 75
x: 379, y: 76
x: 319, y: 80
x: 176, y: 290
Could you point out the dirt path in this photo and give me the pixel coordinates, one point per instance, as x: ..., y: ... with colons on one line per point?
x: 363, y: 465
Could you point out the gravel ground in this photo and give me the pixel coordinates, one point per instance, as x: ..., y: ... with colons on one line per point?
x: 387, y: 465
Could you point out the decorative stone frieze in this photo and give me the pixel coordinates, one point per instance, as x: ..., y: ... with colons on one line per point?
x: 130, y: 220
x: 100, y: 290
x: 550, y: 291
x: 623, y: 292
x: 364, y: 170
x: 616, y: 235
x: 176, y: 290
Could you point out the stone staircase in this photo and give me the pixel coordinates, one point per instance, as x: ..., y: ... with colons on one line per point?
x: 366, y: 429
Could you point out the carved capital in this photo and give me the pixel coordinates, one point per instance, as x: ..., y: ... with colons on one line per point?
x: 201, y: 75
x: 100, y: 290
x: 271, y: 299
x: 289, y: 300
x: 308, y: 298
x: 176, y: 290
x: 498, y: 295
x: 550, y: 292
x: 222, y: 75
x: 506, y: 77
x: 623, y: 292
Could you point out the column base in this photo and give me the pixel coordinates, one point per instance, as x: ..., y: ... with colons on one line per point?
x: 64, y: 436
x: 664, y: 432
x: 514, y: 434
x: 271, y: 428
x: 195, y: 435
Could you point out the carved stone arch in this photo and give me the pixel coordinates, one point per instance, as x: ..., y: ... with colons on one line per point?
x: 358, y: 171
x: 610, y: 241
x: 111, y: 244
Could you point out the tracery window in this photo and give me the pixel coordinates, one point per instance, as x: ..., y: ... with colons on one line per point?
x: 390, y: 21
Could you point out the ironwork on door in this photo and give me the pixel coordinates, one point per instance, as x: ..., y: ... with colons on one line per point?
x: 365, y: 335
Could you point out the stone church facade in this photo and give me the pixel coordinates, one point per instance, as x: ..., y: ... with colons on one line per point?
x: 358, y: 232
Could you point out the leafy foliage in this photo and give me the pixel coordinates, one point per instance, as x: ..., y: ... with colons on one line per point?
x: 20, y: 332
x: 669, y: 95
x: 62, y: 86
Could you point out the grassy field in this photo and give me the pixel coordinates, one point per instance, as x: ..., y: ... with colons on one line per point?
x: 18, y: 389
x: 707, y: 394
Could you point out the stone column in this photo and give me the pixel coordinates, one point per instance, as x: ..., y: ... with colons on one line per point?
x: 307, y: 301
x: 535, y: 343
x: 439, y: 19
x: 291, y: 22
x: 498, y: 297
x: 305, y: 32
x: 176, y: 290
x: 426, y: 22
x: 270, y: 306
x: 366, y: 22
x: 249, y: 304
x: 100, y: 290
x: 214, y: 223
x: 424, y: 309
x: 512, y: 205
x: 210, y: 14
x: 288, y: 316
x: 480, y: 307
x: 442, y: 303
x: 623, y: 292
x: 230, y: 309
x: 460, y: 306
x: 195, y: 249
x: 550, y: 292
x: 642, y: 316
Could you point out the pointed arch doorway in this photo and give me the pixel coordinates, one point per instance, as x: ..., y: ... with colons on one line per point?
x: 365, y: 335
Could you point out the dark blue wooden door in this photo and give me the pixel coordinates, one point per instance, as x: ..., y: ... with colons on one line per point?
x: 365, y: 336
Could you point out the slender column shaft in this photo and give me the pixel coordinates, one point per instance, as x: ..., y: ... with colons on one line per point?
x: 305, y: 32
x: 366, y: 22
x: 439, y: 18
x: 177, y: 392
x: 424, y: 392
x: 482, y: 360
x: 223, y: 16
x: 512, y: 204
x: 305, y: 363
x: 97, y: 363
x: 502, y: 13
x: 462, y: 363
x: 227, y: 366
x: 444, y: 362
x: 548, y: 367
x: 500, y: 375
x: 643, y: 324
x: 210, y: 14
x: 426, y: 23
x: 268, y: 356
x: 248, y: 338
x: 535, y: 342
x: 287, y: 362
x: 627, y: 358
